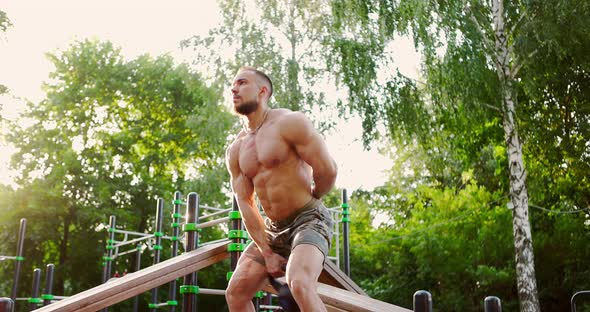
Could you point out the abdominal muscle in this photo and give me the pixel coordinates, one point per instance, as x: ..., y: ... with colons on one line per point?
x: 284, y: 189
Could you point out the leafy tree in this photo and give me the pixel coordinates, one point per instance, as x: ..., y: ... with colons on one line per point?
x: 110, y: 137
x: 477, y: 59
x: 286, y: 39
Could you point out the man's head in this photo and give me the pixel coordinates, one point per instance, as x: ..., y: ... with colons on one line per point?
x: 250, y: 89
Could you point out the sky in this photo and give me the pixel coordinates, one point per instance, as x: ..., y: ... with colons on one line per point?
x: 139, y: 27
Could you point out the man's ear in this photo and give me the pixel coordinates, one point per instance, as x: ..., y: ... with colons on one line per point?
x: 263, y: 89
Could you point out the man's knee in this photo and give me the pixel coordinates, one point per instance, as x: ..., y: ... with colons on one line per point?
x: 237, y: 291
x: 301, y: 287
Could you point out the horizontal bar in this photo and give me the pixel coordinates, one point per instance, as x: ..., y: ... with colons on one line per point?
x: 212, y: 242
x: 212, y: 223
x: 135, y: 240
x: 124, y: 253
x: 131, y: 233
x: 211, y: 208
x: 7, y: 258
x: 208, y: 291
x: 215, y: 213
x: 269, y: 307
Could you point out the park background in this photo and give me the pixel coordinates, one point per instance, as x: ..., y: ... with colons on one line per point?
x: 133, y: 107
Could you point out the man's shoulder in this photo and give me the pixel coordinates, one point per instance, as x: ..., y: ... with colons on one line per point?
x: 234, y: 146
x: 289, y: 116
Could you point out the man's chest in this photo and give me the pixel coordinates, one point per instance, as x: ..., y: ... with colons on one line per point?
x: 262, y: 151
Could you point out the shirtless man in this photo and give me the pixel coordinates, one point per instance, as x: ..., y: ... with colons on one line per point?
x: 278, y: 155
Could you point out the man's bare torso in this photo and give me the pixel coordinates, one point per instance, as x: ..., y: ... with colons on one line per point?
x: 282, y: 181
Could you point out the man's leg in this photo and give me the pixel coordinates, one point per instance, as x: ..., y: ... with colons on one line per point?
x: 303, y: 269
x: 246, y: 280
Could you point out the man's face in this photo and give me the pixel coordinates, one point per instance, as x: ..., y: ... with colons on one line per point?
x: 245, y: 91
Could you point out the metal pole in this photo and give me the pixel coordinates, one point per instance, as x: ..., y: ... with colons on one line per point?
x: 237, y: 235
x: 6, y: 304
x: 190, y: 288
x: 175, y: 236
x: 422, y: 301
x: 137, y: 268
x: 157, y: 247
x: 111, y: 240
x: 492, y: 304
x: 34, y: 300
x: 19, y: 257
x: 109, y: 258
x: 48, y: 295
x: 345, y: 234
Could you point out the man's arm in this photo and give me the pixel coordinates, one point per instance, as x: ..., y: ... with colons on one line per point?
x: 310, y: 146
x: 243, y: 189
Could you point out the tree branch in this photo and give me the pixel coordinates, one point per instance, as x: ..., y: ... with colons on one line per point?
x: 487, y: 42
x: 518, y: 64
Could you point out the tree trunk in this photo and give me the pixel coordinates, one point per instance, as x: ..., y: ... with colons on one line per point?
x: 523, y: 242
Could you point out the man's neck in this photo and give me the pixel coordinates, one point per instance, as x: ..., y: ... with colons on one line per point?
x: 256, y: 119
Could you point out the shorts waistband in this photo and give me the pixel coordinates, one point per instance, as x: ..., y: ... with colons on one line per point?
x: 311, y: 204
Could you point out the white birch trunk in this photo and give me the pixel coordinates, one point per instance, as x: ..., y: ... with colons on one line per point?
x: 523, y: 242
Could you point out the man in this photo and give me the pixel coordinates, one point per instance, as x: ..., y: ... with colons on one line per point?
x: 277, y: 156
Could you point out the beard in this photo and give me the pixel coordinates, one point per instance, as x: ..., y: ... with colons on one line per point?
x: 246, y: 108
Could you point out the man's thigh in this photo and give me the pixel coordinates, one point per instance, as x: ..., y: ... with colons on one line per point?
x: 305, y: 263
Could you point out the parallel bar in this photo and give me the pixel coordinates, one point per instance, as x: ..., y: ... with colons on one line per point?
x: 345, y: 231
x: 35, y: 288
x: 175, y: 233
x: 48, y: 283
x: 189, y: 302
x: 19, y: 253
x: 136, y: 283
x: 157, y: 245
x: 137, y: 268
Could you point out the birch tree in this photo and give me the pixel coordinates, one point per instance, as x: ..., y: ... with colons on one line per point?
x: 462, y: 43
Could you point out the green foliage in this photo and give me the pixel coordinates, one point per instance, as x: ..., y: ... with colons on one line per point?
x: 451, y: 242
x: 284, y: 39
x: 4, y: 21
x: 451, y: 120
x: 111, y: 136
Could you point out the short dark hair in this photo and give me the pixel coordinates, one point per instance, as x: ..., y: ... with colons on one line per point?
x: 260, y: 74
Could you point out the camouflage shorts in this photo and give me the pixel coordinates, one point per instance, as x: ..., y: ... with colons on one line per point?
x: 312, y: 224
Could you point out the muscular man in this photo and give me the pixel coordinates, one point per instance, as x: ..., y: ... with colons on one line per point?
x: 277, y: 156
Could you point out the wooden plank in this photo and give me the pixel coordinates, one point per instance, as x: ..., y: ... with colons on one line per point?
x: 138, y: 282
x: 337, y: 300
x: 334, y: 309
x: 350, y: 301
x: 333, y: 276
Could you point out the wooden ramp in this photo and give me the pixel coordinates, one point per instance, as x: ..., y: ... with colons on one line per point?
x: 338, y: 300
x: 138, y: 282
x: 336, y: 290
x: 333, y: 276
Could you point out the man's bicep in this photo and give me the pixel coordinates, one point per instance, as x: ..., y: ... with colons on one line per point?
x: 314, y: 152
x: 310, y: 145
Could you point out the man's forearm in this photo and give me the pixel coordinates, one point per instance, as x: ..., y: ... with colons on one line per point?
x: 255, y: 227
